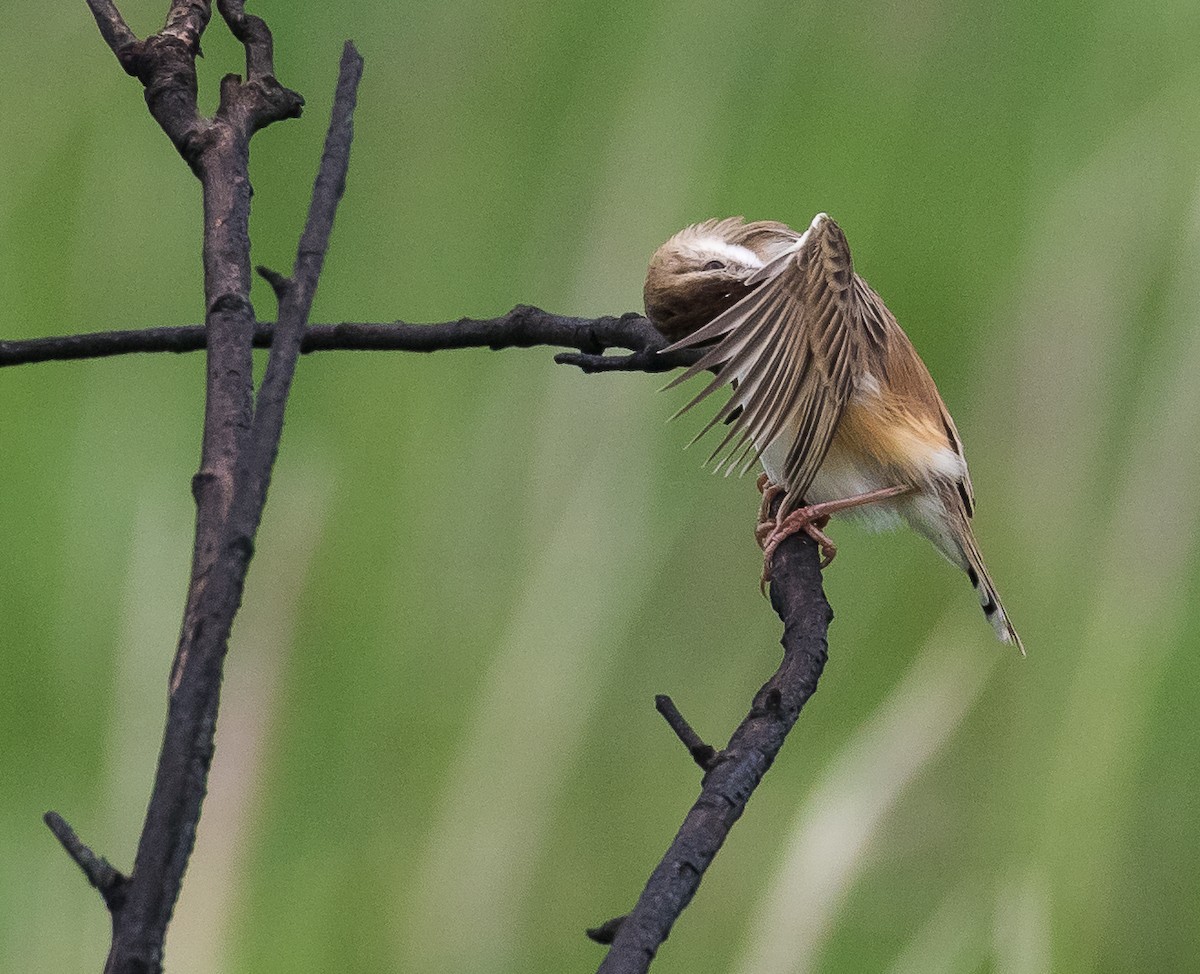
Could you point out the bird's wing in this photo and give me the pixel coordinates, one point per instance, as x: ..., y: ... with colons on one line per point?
x: 909, y: 382
x: 965, y: 491
x: 793, y: 345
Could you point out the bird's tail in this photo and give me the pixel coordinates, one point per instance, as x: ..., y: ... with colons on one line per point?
x: 985, y: 588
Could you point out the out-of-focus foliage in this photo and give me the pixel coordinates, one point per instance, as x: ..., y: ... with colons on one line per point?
x: 437, y: 749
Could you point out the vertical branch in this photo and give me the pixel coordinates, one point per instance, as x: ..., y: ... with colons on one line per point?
x: 295, y: 294
x: 216, y: 593
x: 223, y: 169
x: 238, y: 444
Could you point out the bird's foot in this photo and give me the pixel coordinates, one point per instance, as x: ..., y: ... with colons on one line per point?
x: 766, y: 522
x: 810, y: 521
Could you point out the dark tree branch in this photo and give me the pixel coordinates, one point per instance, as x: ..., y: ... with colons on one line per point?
x: 107, y: 880
x: 240, y: 438
x: 186, y: 22
x: 523, y: 327
x: 165, y: 63
x: 798, y: 597
x: 703, y: 754
x: 254, y: 35
x: 606, y: 933
x: 279, y: 284
x: 217, y: 588
x: 113, y: 29
x: 240, y: 442
x: 261, y: 99
x: 295, y: 301
x: 643, y: 360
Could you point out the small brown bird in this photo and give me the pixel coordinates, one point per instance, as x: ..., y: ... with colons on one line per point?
x: 827, y: 389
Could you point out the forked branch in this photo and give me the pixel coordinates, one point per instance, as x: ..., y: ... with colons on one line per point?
x: 240, y: 438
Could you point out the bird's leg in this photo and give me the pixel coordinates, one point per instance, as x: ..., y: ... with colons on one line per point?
x: 811, y: 519
x: 766, y: 523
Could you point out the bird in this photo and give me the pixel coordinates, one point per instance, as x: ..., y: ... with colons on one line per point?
x: 828, y: 391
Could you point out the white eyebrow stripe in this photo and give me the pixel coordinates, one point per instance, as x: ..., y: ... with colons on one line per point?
x: 734, y: 252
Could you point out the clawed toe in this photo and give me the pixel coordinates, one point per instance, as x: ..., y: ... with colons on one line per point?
x: 811, y: 519
x: 770, y: 535
x: 763, y: 531
x: 769, y: 492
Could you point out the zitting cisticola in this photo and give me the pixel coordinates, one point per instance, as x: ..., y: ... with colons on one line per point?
x: 827, y: 389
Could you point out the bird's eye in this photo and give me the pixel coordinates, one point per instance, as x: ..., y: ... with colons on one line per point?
x: 714, y: 265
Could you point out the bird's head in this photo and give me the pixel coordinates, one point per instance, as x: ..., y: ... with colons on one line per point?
x: 702, y: 271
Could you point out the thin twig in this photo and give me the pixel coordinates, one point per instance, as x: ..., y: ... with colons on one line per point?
x: 108, y: 881
x: 296, y: 300
x: 606, y: 933
x: 797, y: 595
x: 703, y: 754
x: 523, y: 327
x: 645, y: 360
x: 254, y: 35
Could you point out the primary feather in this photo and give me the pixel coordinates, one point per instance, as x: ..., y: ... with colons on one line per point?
x: 827, y: 389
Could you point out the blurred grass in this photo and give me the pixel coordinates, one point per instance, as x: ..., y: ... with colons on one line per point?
x: 438, y: 747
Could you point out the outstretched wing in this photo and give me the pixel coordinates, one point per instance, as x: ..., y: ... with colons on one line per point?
x: 791, y: 349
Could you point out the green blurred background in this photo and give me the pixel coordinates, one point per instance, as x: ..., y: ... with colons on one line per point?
x: 438, y: 750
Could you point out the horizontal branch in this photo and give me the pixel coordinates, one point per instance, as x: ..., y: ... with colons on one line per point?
x: 523, y: 327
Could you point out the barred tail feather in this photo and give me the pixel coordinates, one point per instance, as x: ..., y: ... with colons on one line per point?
x: 985, y: 588
x: 945, y: 522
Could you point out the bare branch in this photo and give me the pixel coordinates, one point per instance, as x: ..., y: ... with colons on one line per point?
x: 645, y: 360
x: 227, y: 528
x: 113, y: 29
x: 797, y: 595
x: 165, y: 63
x: 523, y: 327
x: 279, y: 283
x: 296, y: 296
x: 187, y: 20
x: 330, y: 183
x: 238, y: 445
x: 261, y: 99
x: 254, y: 35
x: 703, y: 754
x: 107, y: 880
x: 606, y: 933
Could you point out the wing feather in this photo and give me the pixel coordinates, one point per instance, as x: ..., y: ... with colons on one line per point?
x: 908, y: 379
x: 794, y: 345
